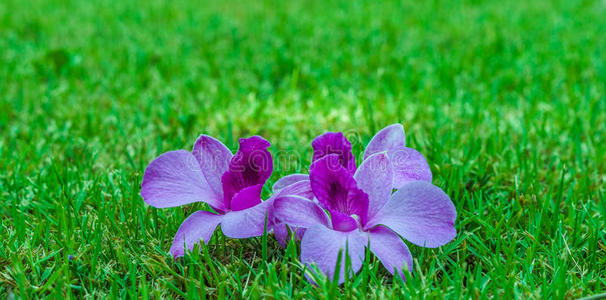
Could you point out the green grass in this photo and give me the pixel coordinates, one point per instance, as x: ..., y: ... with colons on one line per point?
x: 506, y: 99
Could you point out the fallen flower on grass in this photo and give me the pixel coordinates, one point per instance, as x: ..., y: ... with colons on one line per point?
x: 230, y: 184
x: 407, y: 164
x: 353, y: 208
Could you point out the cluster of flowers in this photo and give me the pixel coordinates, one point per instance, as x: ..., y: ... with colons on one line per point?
x: 337, y: 209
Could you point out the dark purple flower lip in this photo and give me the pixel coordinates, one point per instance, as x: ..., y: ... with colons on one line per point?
x: 334, y: 143
x: 337, y: 191
x: 344, y: 222
x: 331, y: 173
x: 248, y: 171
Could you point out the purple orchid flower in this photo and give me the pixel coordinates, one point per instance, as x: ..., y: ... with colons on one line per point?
x: 230, y: 184
x: 362, y: 211
x: 407, y: 164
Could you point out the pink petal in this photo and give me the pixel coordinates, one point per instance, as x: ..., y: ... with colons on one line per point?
x: 409, y: 165
x: 374, y: 177
x: 391, y: 250
x: 299, y: 212
x: 213, y: 157
x: 246, y: 198
x: 288, y: 180
x: 421, y: 213
x: 301, y: 188
x: 390, y: 138
x: 320, y: 247
x: 173, y: 179
x: 199, y: 226
x: 248, y: 222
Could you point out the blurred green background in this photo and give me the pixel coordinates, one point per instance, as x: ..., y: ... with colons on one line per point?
x: 506, y: 99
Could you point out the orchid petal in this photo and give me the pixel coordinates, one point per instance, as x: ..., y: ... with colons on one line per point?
x: 374, y: 177
x: 320, y: 246
x: 391, y: 250
x: 213, y: 157
x: 299, y: 212
x: 334, y: 143
x: 390, y: 138
x: 248, y: 222
x: 409, y: 165
x: 199, y: 226
x: 421, y: 213
x: 300, y: 188
x: 288, y: 180
x: 173, y: 179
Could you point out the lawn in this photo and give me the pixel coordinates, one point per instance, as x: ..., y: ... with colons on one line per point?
x: 506, y: 100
